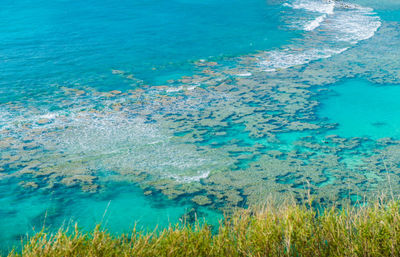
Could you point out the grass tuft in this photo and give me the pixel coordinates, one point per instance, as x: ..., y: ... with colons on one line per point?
x: 286, y: 230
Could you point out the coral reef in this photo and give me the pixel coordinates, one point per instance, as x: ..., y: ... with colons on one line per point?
x: 229, y: 136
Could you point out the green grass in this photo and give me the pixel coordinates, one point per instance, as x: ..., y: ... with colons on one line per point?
x: 285, y: 230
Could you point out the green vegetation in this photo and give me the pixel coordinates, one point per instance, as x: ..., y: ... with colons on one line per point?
x: 287, y: 230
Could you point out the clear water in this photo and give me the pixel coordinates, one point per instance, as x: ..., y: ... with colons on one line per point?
x: 118, y: 210
x: 147, y: 112
x: 65, y: 42
x: 373, y: 113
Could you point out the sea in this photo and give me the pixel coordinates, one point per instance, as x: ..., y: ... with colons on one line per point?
x: 148, y: 113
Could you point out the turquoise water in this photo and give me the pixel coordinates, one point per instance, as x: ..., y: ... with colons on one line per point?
x: 155, y: 112
x: 373, y: 113
x: 66, y: 43
x: 119, y: 210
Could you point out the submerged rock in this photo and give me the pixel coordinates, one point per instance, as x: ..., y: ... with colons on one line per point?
x: 201, y: 200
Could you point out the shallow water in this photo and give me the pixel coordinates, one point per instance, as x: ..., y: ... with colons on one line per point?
x: 364, y: 109
x: 157, y: 112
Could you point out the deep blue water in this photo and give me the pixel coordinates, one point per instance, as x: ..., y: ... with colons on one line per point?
x: 70, y: 153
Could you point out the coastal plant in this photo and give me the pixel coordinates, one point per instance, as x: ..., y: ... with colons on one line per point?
x: 287, y: 229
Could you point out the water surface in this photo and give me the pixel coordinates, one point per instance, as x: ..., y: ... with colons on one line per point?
x: 156, y: 112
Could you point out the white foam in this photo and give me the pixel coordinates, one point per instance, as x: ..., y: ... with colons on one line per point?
x: 285, y: 59
x: 48, y: 116
x: 320, y: 6
x: 174, y: 89
x: 181, y: 88
x: 355, y: 25
x: 189, y: 179
x: 244, y: 74
x: 315, y: 23
x: 340, y: 26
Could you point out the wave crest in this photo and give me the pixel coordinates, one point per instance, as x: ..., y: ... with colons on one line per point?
x: 338, y: 27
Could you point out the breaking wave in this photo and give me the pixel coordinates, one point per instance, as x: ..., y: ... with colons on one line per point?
x: 333, y: 28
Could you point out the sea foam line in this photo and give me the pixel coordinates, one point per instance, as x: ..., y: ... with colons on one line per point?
x: 326, y: 7
x: 315, y: 23
x: 341, y: 26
